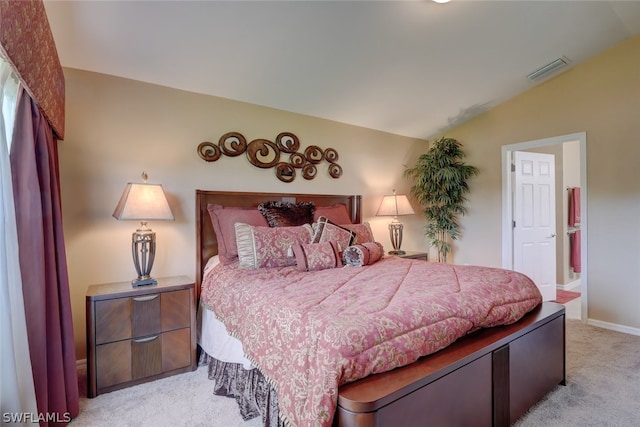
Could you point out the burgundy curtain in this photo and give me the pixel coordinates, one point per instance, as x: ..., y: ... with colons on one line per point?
x: 34, y: 168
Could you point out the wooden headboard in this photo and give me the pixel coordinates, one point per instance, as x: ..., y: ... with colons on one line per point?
x: 206, y: 243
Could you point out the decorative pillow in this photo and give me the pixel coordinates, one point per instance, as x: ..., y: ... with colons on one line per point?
x: 326, y: 231
x: 364, y: 254
x: 337, y: 213
x: 267, y: 247
x: 317, y: 256
x: 363, y: 232
x: 284, y: 214
x: 223, y: 220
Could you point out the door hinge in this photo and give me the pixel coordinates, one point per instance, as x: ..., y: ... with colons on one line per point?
x: 513, y: 167
x: 514, y: 224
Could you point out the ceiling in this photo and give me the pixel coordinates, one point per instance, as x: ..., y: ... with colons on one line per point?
x: 413, y: 68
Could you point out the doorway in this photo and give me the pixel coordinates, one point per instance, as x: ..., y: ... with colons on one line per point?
x: 508, y: 201
x: 534, y: 219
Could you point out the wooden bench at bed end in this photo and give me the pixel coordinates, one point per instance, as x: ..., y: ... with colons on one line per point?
x: 488, y: 378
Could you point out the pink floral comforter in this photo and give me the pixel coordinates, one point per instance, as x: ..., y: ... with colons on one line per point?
x: 310, y: 332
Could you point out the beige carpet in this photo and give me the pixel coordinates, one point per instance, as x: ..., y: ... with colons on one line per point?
x: 603, y: 389
x: 180, y: 400
x: 603, y: 382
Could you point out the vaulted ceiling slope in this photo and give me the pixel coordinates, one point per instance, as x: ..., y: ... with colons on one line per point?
x: 413, y: 68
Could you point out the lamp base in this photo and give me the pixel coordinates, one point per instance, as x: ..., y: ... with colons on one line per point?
x: 397, y: 252
x: 395, y: 235
x: 143, y: 247
x: 141, y: 281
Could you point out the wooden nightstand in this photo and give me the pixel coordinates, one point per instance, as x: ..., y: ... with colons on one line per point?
x: 135, y: 335
x: 415, y: 255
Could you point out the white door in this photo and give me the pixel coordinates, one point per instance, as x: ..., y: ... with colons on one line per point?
x: 534, y: 232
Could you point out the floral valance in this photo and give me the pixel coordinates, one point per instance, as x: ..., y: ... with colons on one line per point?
x: 27, y: 42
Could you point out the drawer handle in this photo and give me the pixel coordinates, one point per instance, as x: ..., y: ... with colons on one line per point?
x: 147, y: 339
x: 146, y: 298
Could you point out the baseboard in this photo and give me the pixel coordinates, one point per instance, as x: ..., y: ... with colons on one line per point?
x: 614, y: 327
x: 568, y: 286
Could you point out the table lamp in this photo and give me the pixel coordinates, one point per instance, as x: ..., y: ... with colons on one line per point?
x: 143, y: 202
x: 395, y: 205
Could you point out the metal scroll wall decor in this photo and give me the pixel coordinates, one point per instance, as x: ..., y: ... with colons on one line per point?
x: 266, y: 154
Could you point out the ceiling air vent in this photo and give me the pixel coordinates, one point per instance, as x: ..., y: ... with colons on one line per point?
x: 549, y: 68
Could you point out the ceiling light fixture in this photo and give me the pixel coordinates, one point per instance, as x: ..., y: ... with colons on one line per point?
x: 549, y: 68
x: 441, y: 1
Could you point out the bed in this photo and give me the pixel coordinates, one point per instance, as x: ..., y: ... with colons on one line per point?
x: 490, y: 375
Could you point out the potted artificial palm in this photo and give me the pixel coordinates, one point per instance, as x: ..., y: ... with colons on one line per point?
x: 440, y: 186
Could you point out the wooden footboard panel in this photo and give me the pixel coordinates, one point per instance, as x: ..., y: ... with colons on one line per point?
x: 534, y: 366
x: 489, y: 378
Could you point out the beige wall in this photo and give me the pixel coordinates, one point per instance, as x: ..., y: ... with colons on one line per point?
x: 602, y: 98
x: 116, y: 128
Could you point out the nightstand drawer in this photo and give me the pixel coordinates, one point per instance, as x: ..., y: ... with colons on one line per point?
x: 145, y: 315
x: 124, y: 361
x: 113, y: 320
x: 175, y: 310
x: 112, y: 364
x: 125, y: 318
x: 146, y: 356
x: 176, y: 349
x: 139, y: 334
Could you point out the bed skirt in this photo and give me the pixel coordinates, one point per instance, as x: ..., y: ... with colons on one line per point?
x: 253, y: 394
